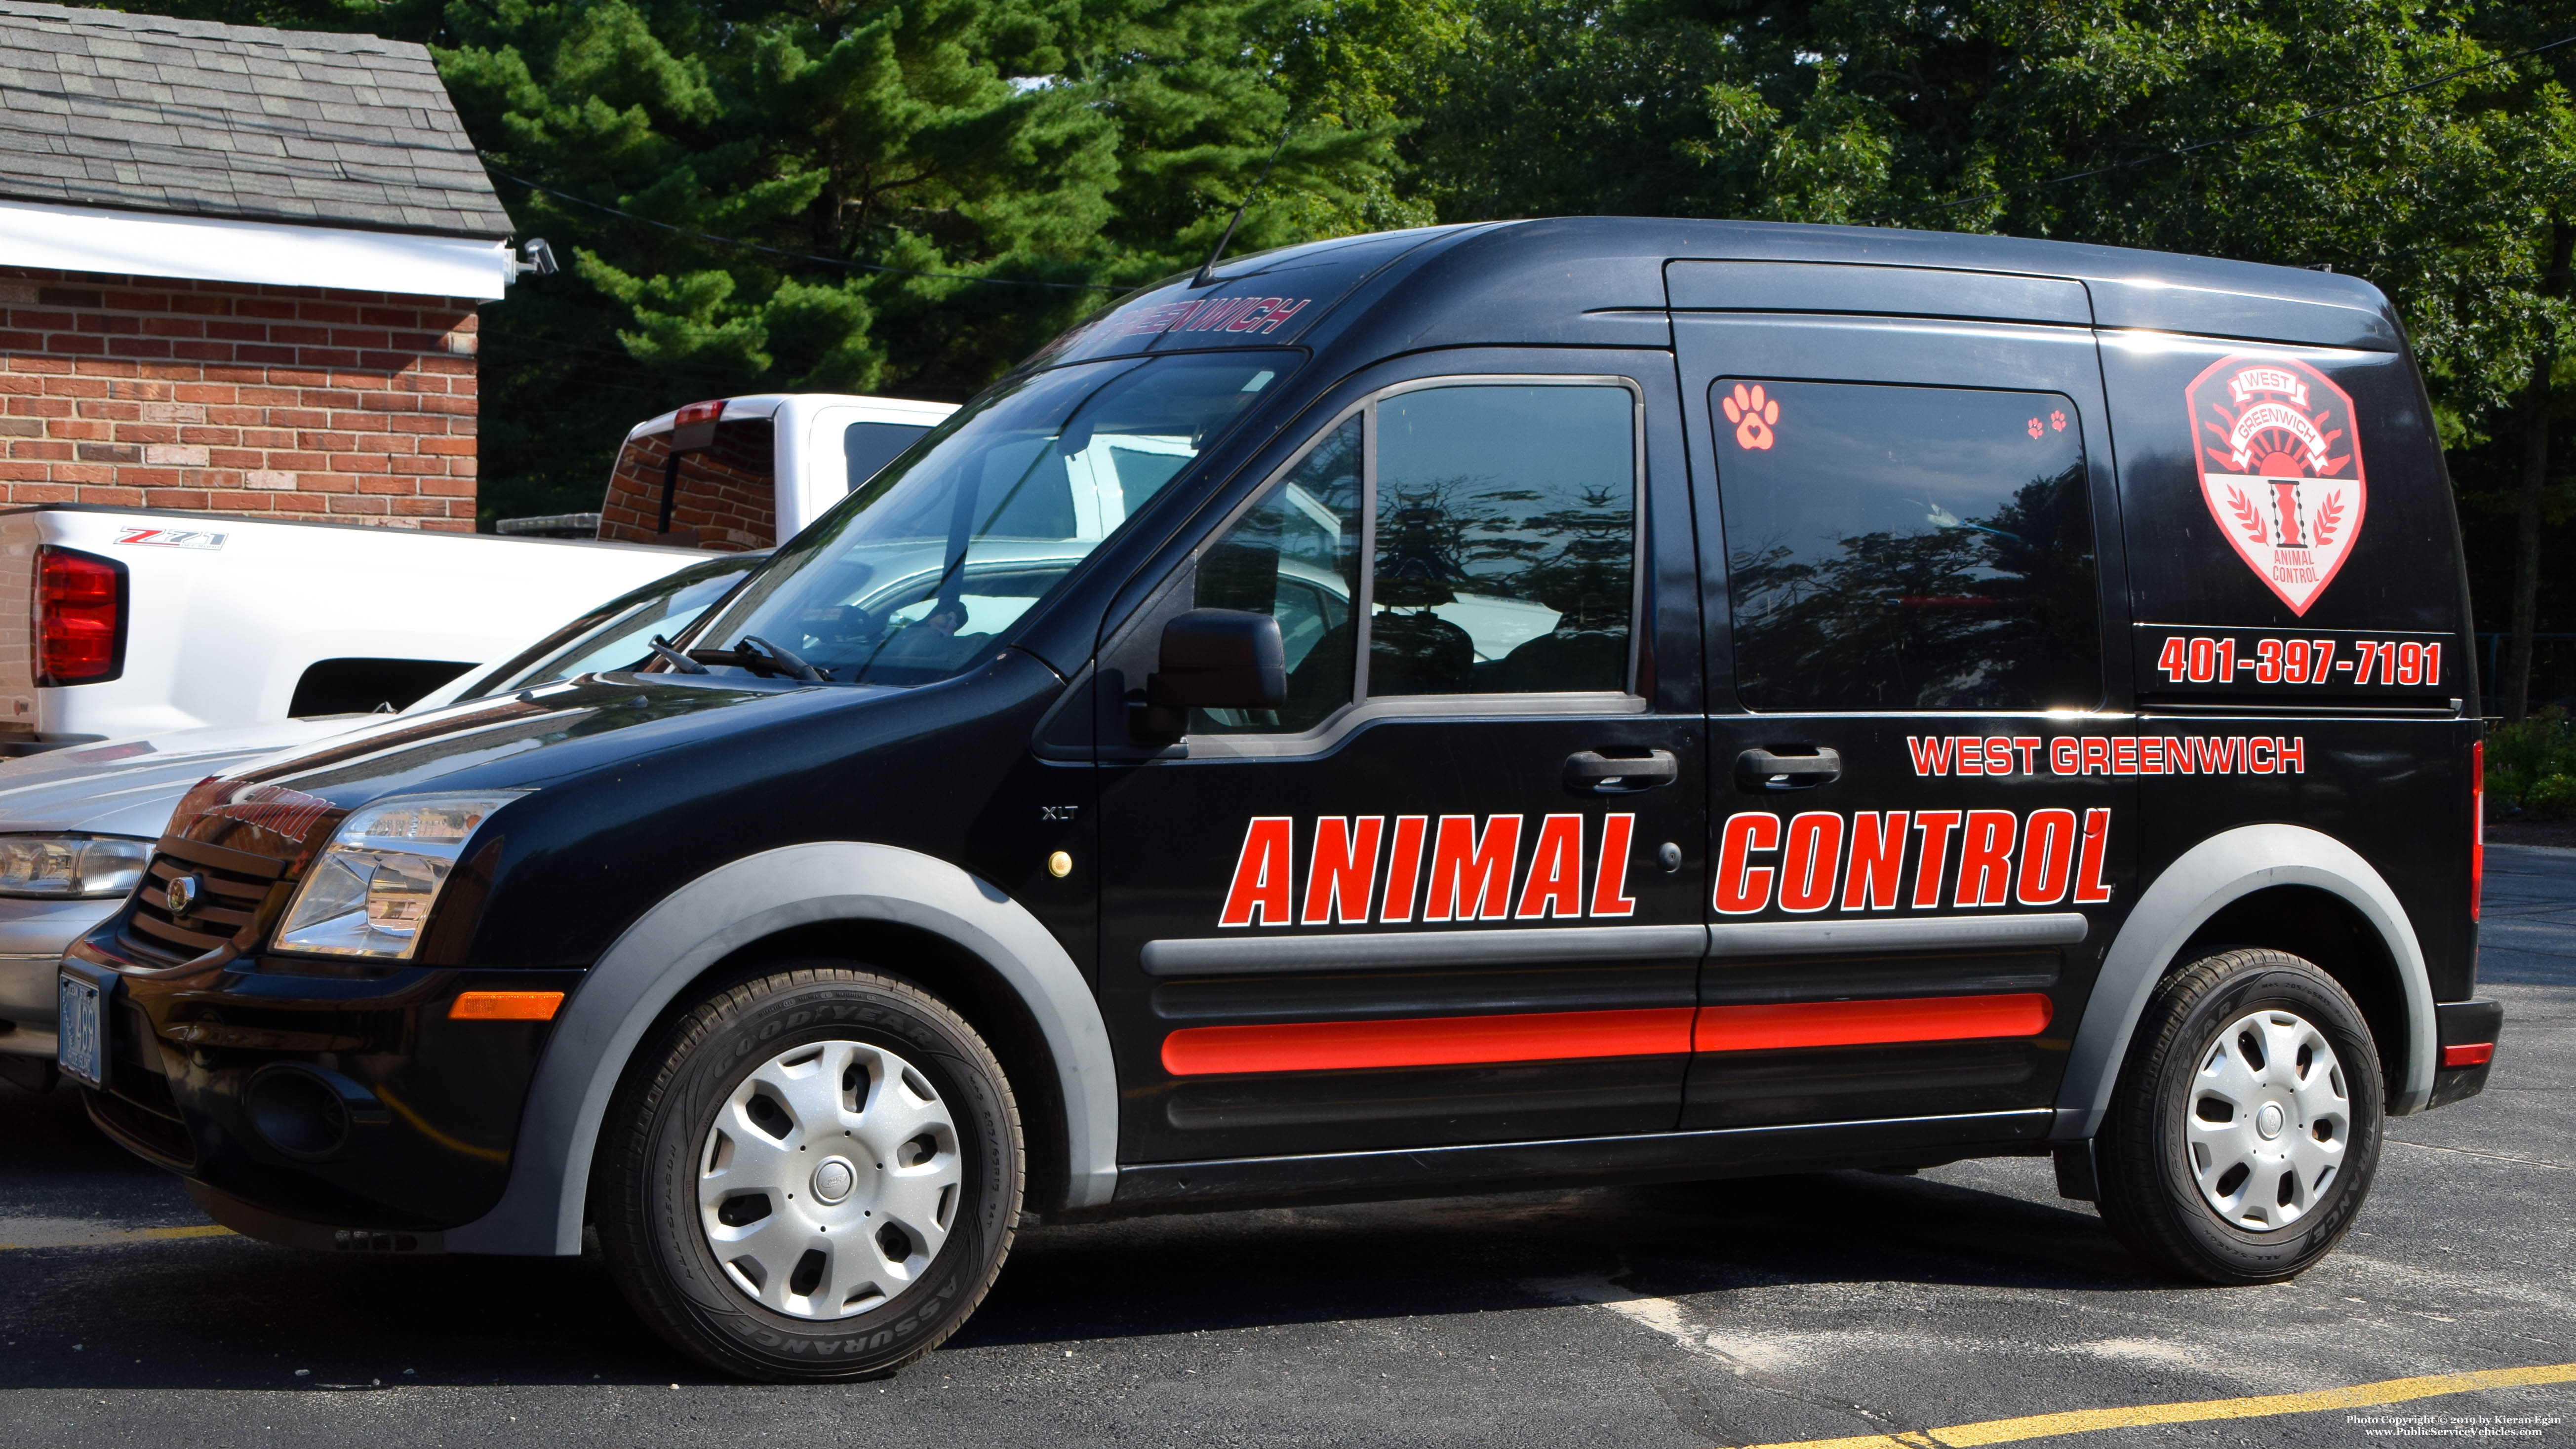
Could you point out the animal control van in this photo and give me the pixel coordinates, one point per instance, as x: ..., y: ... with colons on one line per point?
x: 1547, y: 702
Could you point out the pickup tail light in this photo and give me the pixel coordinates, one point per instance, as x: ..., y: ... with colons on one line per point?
x: 2477, y: 826
x: 699, y: 412
x: 80, y: 617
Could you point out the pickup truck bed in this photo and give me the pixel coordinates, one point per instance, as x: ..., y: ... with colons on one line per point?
x: 167, y: 620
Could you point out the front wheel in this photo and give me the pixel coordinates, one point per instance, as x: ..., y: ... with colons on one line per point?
x: 2245, y: 1127
x: 814, y: 1174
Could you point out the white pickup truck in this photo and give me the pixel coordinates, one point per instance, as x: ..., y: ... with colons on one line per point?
x: 135, y: 621
x: 118, y: 622
x: 748, y: 472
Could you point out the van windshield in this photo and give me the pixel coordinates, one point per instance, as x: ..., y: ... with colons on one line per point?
x: 913, y: 577
x: 615, y: 635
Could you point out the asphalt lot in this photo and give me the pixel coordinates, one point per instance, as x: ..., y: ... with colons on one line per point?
x: 1730, y: 1313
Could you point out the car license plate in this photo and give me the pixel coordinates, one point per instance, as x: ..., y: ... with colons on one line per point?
x: 80, y: 1047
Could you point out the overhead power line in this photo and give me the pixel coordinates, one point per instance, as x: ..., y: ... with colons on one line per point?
x: 2232, y: 138
x: 735, y: 241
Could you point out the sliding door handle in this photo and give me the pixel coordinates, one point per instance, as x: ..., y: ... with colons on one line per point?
x: 1593, y: 773
x: 1760, y: 770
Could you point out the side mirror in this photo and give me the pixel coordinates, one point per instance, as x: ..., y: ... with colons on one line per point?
x: 1213, y: 659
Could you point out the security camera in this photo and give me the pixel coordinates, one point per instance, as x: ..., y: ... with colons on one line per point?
x: 537, y: 257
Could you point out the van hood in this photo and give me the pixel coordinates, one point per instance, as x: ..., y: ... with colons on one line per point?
x: 525, y: 740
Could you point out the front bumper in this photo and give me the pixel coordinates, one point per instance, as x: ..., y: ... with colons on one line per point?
x: 335, y: 1095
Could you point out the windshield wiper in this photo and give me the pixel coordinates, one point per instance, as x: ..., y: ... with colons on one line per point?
x: 762, y: 658
x: 792, y: 664
x: 672, y: 656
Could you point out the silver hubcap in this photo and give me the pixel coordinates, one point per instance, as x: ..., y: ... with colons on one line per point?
x: 2267, y: 1120
x: 829, y: 1180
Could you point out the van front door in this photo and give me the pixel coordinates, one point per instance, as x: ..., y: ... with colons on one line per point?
x: 1921, y: 769
x: 1449, y: 892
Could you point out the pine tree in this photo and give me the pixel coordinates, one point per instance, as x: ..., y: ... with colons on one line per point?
x: 909, y: 196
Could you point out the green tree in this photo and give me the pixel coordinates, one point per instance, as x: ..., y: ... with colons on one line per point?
x: 940, y: 186
x: 1032, y: 157
x: 2414, y: 144
x: 848, y: 195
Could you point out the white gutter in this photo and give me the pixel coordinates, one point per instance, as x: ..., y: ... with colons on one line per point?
x: 212, y: 249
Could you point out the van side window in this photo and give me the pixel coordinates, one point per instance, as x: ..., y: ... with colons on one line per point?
x: 1296, y: 556
x: 1906, y: 547
x: 1506, y: 540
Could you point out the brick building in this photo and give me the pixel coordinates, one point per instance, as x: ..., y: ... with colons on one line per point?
x: 239, y: 271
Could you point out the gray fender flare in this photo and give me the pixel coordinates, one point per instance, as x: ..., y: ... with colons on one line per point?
x: 2218, y: 870
x: 540, y: 1211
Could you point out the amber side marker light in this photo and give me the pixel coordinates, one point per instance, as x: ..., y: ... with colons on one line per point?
x: 506, y: 1006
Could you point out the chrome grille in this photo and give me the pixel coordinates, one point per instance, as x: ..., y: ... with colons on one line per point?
x: 231, y: 887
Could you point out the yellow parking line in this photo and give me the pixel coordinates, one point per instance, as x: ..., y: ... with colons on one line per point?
x: 2085, y: 1421
x: 91, y: 1239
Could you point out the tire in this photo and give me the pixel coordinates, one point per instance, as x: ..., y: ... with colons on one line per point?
x: 731, y: 1156
x: 2245, y: 1127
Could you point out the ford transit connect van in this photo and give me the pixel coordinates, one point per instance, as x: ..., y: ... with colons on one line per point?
x: 1554, y: 702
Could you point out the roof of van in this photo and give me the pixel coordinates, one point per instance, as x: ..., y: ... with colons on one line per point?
x: 1614, y: 281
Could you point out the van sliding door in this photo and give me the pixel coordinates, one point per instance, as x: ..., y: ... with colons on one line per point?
x: 1921, y: 770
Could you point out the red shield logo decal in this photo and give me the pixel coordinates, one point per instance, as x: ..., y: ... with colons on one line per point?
x: 2281, y: 470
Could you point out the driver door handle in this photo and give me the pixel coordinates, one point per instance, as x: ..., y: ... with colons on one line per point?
x: 1592, y: 772
x: 1760, y: 770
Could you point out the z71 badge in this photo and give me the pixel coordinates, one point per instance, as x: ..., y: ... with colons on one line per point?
x: 170, y: 537
x: 2280, y: 468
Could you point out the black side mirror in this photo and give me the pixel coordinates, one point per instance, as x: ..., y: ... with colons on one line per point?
x: 1213, y: 659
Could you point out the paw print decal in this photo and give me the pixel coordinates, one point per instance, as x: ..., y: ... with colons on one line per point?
x: 2057, y: 422
x: 2035, y: 428
x: 1752, y: 415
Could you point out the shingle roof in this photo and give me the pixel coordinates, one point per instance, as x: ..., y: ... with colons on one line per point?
x: 148, y: 113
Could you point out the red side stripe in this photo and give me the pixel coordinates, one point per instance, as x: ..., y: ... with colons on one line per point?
x: 1318, y: 1046
x: 1858, y: 1023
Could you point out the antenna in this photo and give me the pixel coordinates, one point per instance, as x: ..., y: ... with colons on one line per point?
x: 1204, y: 279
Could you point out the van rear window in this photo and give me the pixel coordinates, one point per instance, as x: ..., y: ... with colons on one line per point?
x: 1906, y: 547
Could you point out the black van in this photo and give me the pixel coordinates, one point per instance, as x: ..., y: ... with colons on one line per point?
x: 1547, y: 702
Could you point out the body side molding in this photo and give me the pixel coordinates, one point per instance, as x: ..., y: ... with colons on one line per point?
x: 1390, y: 950
x: 731, y: 906
x: 2223, y: 868
x: 1808, y: 938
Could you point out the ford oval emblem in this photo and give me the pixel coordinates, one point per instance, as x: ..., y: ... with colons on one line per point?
x: 183, y: 893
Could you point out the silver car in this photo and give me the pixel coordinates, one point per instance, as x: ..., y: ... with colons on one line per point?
x: 77, y: 826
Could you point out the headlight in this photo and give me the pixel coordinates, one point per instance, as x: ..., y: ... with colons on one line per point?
x: 372, y: 888
x: 70, y: 865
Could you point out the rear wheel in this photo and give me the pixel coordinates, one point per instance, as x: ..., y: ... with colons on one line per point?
x: 2245, y: 1128
x: 812, y: 1175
